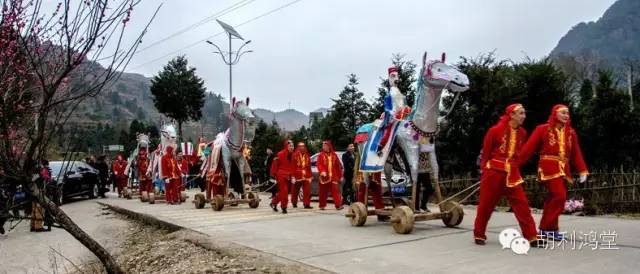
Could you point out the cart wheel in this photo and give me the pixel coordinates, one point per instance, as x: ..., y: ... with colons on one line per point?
x: 453, y: 214
x: 183, y: 197
x: 232, y: 199
x: 254, y: 200
x: 217, y: 203
x: 199, y: 200
x: 126, y: 193
x: 401, y: 201
x: 152, y: 198
x: 358, y: 214
x: 144, y: 196
x: 402, y: 219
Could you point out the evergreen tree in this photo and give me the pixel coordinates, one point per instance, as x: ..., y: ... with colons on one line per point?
x: 348, y: 112
x: 178, y: 92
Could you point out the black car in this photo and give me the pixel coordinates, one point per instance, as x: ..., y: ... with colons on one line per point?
x: 71, y: 179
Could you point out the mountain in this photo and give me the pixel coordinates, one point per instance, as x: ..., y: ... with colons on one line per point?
x: 129, y: 98
x: 288, y: 120
x: 612, y: 39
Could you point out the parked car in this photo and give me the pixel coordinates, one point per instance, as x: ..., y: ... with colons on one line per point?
x: 71, y: 179
x: 399, y: 182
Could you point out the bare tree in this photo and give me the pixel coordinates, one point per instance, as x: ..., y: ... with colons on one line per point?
x: 48, y: 66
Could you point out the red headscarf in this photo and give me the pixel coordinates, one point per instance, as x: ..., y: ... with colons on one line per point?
x: 301, y: 147
x: 504, y: 119
x: 331, y: 149
x: 169, y: 150
x: 554, y: 113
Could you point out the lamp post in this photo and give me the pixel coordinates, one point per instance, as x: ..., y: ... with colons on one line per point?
x: 228, y: 57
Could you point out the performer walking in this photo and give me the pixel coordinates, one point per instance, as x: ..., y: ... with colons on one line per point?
x: 559, y: 149
x: 171, y: 176
x: 118, y: 167
x: 142, y: 164
x: 501, y: 174
x: 302, y: 176
x: 330, y: 170
x: 283, y: 168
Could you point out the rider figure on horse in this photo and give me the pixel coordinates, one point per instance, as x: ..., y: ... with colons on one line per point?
x: 395, y: 107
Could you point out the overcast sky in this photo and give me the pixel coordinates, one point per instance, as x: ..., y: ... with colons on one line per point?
x: 304, y: 52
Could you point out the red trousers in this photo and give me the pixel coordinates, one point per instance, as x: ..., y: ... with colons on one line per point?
x: 146, y: 185
x: 306, y: 192
x: 492, y: 187
x: 121, y: 183
x: 283, y: 191
x: 212, y: 189
x: 323, y: 190
x: 173, y: 191
x: 553, y: 204
x: 375, y: 190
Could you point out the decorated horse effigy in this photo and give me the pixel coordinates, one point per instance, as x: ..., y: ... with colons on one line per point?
x: 225, y: 166
x: 137, y: 164
x: 163, y: 170
x: 404, y: 137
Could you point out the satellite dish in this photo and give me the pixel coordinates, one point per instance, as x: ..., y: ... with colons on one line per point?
x: 229, y: 29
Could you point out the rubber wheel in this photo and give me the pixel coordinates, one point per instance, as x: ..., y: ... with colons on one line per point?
x: 453, y: 214
x: 359, y: 214
x: 404, y: 219
x: 199, y: 200
x: 217, y: 203
x: 152, y: 198
x: 254, y: 200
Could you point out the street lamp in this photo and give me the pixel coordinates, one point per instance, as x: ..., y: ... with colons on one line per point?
x: 229, y: 58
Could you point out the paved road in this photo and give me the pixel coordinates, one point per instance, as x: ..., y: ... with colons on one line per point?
x: 22, y: 251
x: 325, y: 239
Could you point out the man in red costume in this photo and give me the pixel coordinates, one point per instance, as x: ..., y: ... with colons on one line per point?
x: 183, y: 165
x: 302, y: 176
x: 171, y: 176
x: 501, y: 175
x: 557, y: 143
x: 330, y: 170
x: 283, y: 168
x: 142, y: 164
x: 118, y: 167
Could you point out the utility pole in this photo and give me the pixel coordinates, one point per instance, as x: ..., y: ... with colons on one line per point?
x: 228, y: 57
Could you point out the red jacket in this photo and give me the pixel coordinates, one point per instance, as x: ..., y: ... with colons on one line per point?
x: 500, y: 151
x: 142, y: 162
x: 559, y: 150
x: 302, y: 163
x: 118, y: 167
x: 330, y: 166
x: 283, y: 165
x: 184, y: 166
x: 170, y: 169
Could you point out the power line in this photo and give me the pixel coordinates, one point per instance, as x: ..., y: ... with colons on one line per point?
x: 219, y: 33
x: 210, y: 18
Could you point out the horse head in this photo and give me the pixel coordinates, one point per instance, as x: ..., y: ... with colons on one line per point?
x: 241, y: 110
x: 439, y: 75
x: 143, y: 140
x: 168, y: 135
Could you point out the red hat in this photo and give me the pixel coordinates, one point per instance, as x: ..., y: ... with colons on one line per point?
x: 392, y: 69
x: 552, y: 117
x: 507, y: 112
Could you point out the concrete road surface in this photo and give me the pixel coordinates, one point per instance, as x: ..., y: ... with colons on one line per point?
x: 326, y: 240
x: 22, y: 251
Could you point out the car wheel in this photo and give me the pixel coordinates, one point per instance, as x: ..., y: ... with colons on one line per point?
x: 95, y: 191
x: 59, y: 196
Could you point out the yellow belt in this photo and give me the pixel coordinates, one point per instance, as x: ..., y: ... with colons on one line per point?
x: 552, y: 157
